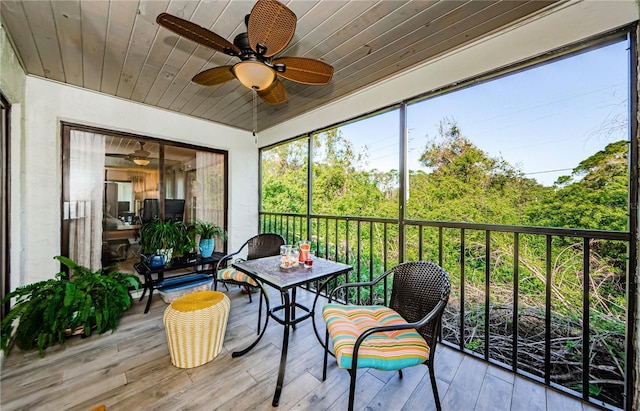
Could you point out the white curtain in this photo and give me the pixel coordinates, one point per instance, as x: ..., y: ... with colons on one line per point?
x: 208, y: 189
x: 86, y: 186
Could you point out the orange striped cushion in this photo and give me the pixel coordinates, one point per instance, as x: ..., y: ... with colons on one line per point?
x: 235, y: 275
x: 388, y: 351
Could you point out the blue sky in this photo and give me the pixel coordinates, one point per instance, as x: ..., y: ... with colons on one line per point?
x: 547, y: 118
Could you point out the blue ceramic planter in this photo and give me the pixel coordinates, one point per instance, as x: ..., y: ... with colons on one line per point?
x: 206, y: 247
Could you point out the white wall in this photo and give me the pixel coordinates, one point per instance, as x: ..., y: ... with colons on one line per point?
x: 48, y: 103
x: 12, y: 85
x: 567, y: 24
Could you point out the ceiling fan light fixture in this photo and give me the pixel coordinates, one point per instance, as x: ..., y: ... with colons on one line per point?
x: 254, y: 74
x: 141, y: 161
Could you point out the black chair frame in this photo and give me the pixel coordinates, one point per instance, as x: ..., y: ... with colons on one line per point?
x: 422, y: 282
x: 261, y: 245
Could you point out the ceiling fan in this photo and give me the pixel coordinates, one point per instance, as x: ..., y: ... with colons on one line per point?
x: 139, y: 157
x: 270, y: 28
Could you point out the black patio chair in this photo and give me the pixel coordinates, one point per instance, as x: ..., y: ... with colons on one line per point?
x: 390, y: 338
x: 261, y: 245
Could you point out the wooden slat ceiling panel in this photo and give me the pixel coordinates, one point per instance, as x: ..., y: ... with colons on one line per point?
x: 326, y: 29
x: 116, y: 47
x: 142, y: 37
x: 365, y: 28
x: 122, y: 15
x: 180, y: 48
x: 421, y: 46
x: 94, y: 20
x: 43, y: 29
x: 66, y: 15
x: 197, y: 58
x: 15, y: 21
x: 372, y: 43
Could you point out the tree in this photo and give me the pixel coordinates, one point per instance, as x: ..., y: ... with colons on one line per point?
x: 463, y: 183
x: 594, y: 196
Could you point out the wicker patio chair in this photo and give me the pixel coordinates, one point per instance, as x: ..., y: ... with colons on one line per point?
x: 261, y: 245
x: 390, y: 338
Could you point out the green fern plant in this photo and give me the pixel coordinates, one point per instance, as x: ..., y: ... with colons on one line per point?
x: 47, y: 311
x: 210, y: 230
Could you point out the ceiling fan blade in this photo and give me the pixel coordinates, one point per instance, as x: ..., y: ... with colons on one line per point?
x: 214, y: 76
x: 306, y: 71
x: 275, y: 94
x: 272, y: 25
x: 198, y: 34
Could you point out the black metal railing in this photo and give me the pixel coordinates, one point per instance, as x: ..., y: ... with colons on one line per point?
x: 548, y: 303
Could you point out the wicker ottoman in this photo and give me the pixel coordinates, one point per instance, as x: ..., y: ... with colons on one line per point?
x: 195, y: 325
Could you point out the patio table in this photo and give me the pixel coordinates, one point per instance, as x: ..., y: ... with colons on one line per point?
x: 285, y: 280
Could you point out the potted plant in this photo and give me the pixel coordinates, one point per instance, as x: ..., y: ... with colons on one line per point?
x: 161, y: 238
x: 207, y: 232
x: 185, y: 245
x: 47, y: 312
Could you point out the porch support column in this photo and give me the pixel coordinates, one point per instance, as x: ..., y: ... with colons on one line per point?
x: 632, y: 385
x: 404, y: 181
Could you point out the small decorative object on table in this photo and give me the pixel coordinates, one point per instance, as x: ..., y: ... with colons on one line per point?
x: 287, y: 258
x: 305, y: 246
x: 308, y: 262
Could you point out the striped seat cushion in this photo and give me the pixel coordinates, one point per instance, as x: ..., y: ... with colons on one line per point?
x: 235, y: 275
x: 388, y: 351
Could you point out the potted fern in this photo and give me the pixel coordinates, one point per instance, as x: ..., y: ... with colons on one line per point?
x: 159, y: 237
x: 47, y: 312
x: 208, y: 232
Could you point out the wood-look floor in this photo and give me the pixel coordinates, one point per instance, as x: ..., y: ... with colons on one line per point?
x: 131, y: 370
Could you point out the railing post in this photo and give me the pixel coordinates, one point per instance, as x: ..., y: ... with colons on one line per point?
x: 586, y: 319
x: 309, y: 184
x: 404, y: 183
x: 632, y: 369
x: 487, y: 292
x: 547, y: 314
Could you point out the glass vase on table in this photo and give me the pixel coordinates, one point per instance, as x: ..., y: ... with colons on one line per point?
x: 304, y: 248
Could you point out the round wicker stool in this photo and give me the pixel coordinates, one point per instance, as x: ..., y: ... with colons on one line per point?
x: 195, y: 325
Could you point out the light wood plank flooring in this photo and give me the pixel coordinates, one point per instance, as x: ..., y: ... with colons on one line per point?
x: 131, y: 370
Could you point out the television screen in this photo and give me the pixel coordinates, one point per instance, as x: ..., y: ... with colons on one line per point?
x: 123, y: 207
x: 149, y: 210
x: 173, y: 210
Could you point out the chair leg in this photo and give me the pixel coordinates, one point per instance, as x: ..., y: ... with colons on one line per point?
x: 352, y: 387
x: 326, y: 355
x: 400, y: 374
x: 434, y: 387
x: 248, y: 292
x: 260, y: 311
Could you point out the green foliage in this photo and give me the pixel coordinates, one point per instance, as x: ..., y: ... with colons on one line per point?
x: 284, y: 178
x: 162, y: 235
x: 210, y: 230
x: 595, y: 196
x: 48, y: 311
x: 339, y: 185
x: 463, y: 183
x: 460, y: 182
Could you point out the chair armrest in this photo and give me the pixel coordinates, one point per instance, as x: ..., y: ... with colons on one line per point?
x: 432, y: 315
x: 222, y: 261
x: 360, y: 284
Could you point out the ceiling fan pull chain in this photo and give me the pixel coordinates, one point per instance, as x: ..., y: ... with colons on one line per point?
x: 255, y: 113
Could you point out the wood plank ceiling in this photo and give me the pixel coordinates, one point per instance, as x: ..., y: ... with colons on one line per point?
x: 115, y: 47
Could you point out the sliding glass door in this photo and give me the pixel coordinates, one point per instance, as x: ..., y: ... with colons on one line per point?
x: 113, y: 183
